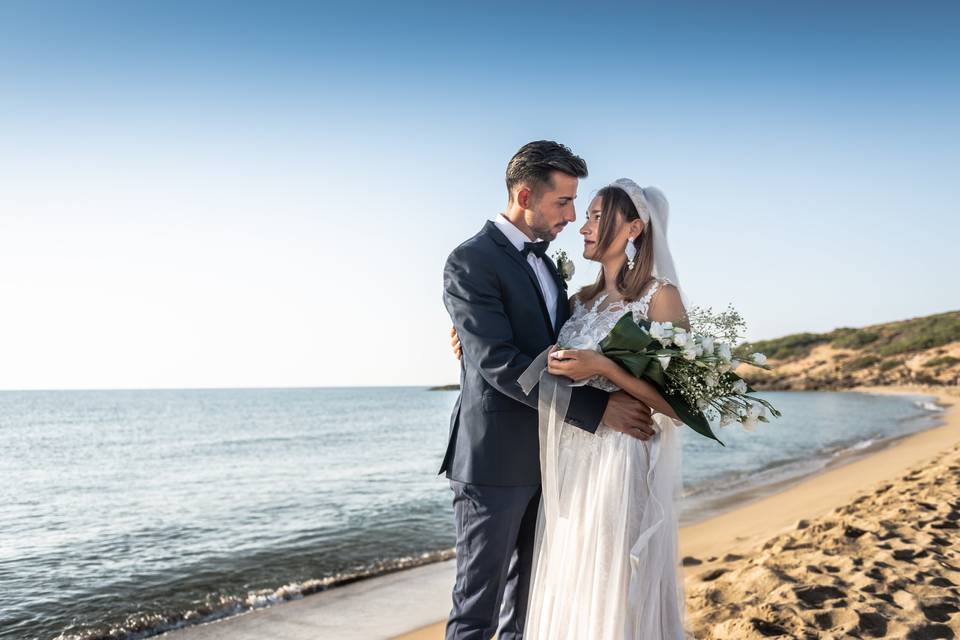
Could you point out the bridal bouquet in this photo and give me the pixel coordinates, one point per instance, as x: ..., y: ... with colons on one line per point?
x: 692, y: 370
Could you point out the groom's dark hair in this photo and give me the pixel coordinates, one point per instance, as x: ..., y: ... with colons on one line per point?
x: 535, y: 161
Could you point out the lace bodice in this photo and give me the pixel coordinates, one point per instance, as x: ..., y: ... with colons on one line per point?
x: 588, y: 326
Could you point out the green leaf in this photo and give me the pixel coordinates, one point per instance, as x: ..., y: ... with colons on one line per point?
x: 629, y: 345
x: 627, y: 335
x: 690, y: 416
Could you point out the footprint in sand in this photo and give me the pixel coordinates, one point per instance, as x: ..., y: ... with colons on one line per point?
x: 931, y: 632
x: 938, y: 612
x: 872, y: 624
x: 823, y: 620
x: 768, y: 629
x: 814, y: 597
x: 713, y: 575
x: 904, y: 554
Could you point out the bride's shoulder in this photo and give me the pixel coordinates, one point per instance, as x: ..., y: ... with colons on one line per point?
x: 655, y: 286
x: 576, y: 300
x: 664, y: 303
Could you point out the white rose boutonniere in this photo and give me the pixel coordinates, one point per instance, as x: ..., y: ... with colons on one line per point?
x: 565, y: 266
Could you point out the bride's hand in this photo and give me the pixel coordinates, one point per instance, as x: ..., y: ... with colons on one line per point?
x: 576, y: 364
x: 455, y: 343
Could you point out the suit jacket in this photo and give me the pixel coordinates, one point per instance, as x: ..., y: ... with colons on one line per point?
x: 493, y: 297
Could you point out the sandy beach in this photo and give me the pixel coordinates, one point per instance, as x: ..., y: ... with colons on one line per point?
x: 867, y: 549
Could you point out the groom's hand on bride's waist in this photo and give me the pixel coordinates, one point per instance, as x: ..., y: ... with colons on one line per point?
x: 629, y: 416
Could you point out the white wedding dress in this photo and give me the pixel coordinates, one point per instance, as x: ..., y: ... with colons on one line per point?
x: 606, y: 567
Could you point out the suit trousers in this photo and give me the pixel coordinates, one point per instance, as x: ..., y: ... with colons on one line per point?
x: 496, y: 527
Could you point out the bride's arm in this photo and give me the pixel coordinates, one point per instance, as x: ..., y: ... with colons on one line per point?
x: 581, y: 364
x: 666, y: 306
x: 639, y: 389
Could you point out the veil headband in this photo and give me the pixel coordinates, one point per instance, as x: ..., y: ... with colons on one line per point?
x: 654, y: 210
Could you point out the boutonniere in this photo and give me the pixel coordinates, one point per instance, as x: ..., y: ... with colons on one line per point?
x: 564, y: 266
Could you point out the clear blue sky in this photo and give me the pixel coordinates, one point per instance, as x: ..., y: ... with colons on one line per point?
x: 263, y: 194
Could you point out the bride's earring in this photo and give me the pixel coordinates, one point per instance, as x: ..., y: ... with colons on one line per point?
x: 631, y: 251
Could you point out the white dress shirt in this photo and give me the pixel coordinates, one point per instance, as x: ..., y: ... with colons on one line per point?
x: 548, y: 286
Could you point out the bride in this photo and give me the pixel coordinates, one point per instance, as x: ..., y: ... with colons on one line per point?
x: 605, y: 561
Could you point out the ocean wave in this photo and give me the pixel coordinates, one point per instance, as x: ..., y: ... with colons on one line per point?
x: 926, y: 405
x: 859, y: 446
x: 138, y: 627
x: 735, y: 482
x: 777, y: 471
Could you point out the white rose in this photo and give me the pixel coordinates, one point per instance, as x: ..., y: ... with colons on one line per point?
x: 723, y: 350
x: 759, y: 358
x: 568, y: 269
x: 690, y: 353
x: 754, y: 413
x: 661, y: 331
x: 740, y: 387
x: 681, y: 338
x: 656, y: 330
x: 707, y: 344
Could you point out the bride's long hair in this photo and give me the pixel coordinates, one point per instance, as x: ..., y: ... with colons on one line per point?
x: 618, y: 209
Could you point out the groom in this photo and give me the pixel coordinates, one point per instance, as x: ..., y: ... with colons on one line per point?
x: 508, y: 303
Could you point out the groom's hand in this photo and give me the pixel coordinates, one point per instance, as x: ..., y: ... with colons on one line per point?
x: 455, y: 343
x: 628, y: 415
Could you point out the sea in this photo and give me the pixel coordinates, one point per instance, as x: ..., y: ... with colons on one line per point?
x: 124, y: 514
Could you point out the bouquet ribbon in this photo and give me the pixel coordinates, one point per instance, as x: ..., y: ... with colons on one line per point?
x: 554, y: 401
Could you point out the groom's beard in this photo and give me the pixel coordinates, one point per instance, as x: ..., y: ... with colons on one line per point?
x: 549, y: 233
x: 545, y: 232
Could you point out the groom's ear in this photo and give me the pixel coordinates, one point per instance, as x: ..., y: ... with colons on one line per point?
x: 524, y: 197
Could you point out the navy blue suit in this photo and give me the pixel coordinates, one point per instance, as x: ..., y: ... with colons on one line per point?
x: 492, y: 460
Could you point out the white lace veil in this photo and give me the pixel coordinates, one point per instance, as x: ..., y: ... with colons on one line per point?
x: 654, y: 210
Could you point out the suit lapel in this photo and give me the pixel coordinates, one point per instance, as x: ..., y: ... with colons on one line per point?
x: 510, y: 250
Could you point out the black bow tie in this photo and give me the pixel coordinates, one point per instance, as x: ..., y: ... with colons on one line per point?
x: 539, y: 249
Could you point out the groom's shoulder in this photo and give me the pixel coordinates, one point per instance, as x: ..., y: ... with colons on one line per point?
x: 478, y: 246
